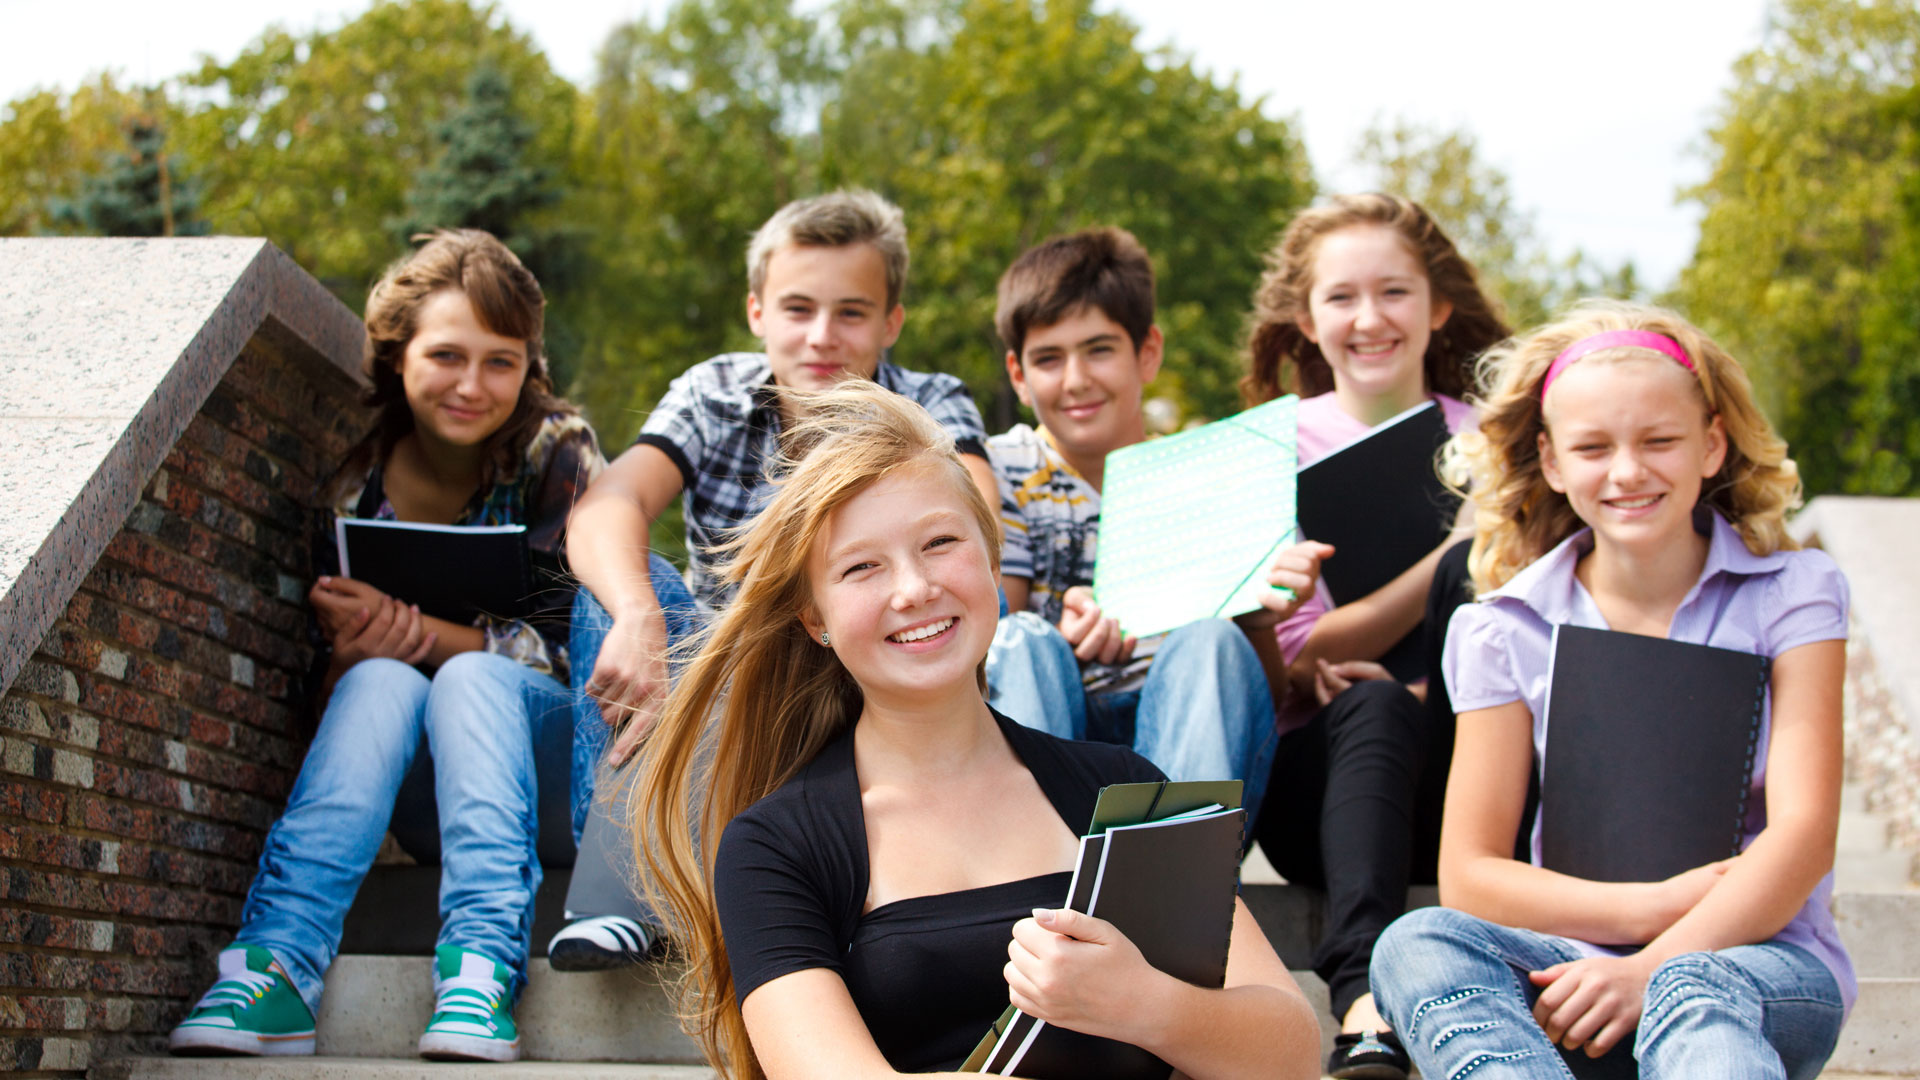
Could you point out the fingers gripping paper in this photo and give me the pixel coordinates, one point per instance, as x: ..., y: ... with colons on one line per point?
x: 1190, y: 522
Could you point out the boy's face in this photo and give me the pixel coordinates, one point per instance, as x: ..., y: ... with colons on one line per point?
x: 823, y: 315
x: 1083, y: 377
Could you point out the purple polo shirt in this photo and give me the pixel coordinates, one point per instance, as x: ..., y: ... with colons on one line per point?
x: 1499, y: 650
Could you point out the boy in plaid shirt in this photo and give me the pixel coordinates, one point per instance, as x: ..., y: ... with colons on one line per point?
x: 825, y: 277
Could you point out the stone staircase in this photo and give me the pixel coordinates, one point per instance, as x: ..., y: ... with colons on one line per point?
x: 577, y: 1025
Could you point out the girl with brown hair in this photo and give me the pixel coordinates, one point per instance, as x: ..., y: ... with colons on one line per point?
x: 440, y: 727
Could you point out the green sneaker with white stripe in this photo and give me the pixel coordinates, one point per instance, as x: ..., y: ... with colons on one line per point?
x: 253, y: 1009
x: 472, y: 1011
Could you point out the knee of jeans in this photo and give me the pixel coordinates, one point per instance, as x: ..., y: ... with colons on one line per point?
x: 1025, y: 630
x: 1415, y: 961
x: 375, y: 671
x: 1698, y: 978
x: 1218, y: 639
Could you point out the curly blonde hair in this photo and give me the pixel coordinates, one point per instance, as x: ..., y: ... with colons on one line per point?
x: 1518, y: 517
x: 759, y: 697
x: 1281, y: 359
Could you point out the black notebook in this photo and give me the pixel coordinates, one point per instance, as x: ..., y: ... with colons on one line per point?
x: 1382, y: 506
x: 453, y: 572
x: 1167, y: 879
x: 1649, y: 758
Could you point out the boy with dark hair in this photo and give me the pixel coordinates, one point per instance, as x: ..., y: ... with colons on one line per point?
x: 825, y: 277
x: 1076, y: 314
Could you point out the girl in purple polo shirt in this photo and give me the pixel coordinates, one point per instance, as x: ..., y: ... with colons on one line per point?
x: 1624, y: 479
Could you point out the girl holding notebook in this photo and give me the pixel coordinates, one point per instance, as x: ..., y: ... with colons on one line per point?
x: 1624, y: 479
x: 883, y: 857
x: 1367, y: 310
x: 440, y: 727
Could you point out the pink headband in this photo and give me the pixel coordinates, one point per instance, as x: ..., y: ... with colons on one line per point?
x: 1614, y: 339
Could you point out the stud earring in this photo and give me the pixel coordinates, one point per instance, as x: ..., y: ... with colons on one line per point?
x: 823, y: 638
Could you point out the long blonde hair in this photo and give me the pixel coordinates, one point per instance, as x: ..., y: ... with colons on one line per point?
x: 775, y: 696
x: 1518, y: 517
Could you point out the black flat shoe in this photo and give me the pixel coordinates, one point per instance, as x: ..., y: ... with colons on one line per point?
x: 1368, y: 1055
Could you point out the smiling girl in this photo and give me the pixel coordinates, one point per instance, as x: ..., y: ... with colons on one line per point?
x: 1366, y: 311
x: 891, y: 852
x: 1625, y: 480
x: 427, y: 722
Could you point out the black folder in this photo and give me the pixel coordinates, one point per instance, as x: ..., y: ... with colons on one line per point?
x: 1169, y: 885
x: 453, y: 572
x: 1382, y: 506
x: 1649, y: 755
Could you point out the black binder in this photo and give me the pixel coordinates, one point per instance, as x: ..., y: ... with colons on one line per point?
x: 1382, y: 506
x: 453, y: 572
x: 1649, y: 755
x: 1168, y: 882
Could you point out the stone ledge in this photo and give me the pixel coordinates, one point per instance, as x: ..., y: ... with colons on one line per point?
x: 108, y: 347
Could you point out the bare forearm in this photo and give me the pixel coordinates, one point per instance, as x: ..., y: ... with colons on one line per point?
x: 607, y: 549
x: 1760, y: 894
x: 1513, y: 893
x: 1367, y: 627
x: 451, y: 639
x: 1242, y: 1031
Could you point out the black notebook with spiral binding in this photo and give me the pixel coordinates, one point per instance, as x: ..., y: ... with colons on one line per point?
x: 1161, y: 862
x: 1649, y: 754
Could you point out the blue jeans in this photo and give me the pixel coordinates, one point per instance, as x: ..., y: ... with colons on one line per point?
x: 490, y: 726
x: 1203, y: 713
x: 1455, y: 987
x: 588, y: 633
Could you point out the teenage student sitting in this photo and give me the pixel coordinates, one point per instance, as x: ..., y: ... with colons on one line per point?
x: 1076, y: 314
x: 441, y: 728
x: 891, y: 852
x: 825, y: 278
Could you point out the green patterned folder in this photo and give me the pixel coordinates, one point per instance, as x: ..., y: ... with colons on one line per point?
x: 1189, y: 523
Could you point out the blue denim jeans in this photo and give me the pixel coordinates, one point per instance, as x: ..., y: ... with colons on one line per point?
x: 1455, y: 987
x: 588, y: 632
x: 1203, y: 713
x: 495, y: 732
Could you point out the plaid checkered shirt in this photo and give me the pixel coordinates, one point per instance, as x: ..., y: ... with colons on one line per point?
x: 720, y: 424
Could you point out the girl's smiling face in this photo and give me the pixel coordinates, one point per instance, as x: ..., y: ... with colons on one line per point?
x: 1629, y: 444
x: 462, y: 380
x: 903, y: 586
x: 1371, y: 310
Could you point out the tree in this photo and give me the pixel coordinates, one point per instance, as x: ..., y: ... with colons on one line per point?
x: 1810, y: 154
x: 1882, y: 453
x: 486, y: 175
x: 142, y: 192
x: 51, y: 143
x: 997, y: 123
x: 312, y: 140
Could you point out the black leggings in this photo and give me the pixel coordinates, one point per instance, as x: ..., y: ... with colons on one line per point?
x: 1353, y: 804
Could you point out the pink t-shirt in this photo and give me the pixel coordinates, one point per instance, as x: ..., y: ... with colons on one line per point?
x: 1325, y: 427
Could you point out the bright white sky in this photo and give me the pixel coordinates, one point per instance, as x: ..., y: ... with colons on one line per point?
x: 1599, y: 121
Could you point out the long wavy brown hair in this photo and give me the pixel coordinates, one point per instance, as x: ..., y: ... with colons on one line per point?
x: 1518, y: 517
x: 508, y: 302
x: 1281, y: 359
x: 758, y: 697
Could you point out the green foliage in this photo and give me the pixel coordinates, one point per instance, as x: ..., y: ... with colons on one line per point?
x: 1811, y: 152
x: 1883, y: 452
x: 998, y: 123
x: 142, y: 192
x: 313, y: 140
x: 487, y: 175
x: 52, y: 143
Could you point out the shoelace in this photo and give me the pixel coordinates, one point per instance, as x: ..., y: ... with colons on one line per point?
x: 458, y: 994
x: 241, y: 989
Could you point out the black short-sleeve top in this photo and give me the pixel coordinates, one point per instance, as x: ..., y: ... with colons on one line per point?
x: 925, y: 972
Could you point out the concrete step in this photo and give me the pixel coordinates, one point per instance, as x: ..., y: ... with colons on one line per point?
x: 362, y: 1068
x: 1881, y: 1036
x: 376, y: 1006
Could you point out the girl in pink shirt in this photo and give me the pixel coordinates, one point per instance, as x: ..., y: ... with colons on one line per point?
x: 1367, y: 311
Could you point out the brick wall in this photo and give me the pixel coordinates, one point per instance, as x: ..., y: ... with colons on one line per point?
x: 151, y: 740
